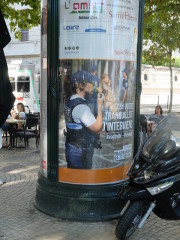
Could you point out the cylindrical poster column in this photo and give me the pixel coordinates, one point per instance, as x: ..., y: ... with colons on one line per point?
x: 91, y: 53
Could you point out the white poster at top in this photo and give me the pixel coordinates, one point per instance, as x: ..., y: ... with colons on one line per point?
x: 99, y: 29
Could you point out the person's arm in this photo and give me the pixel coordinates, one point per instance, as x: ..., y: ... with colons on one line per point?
x: 13, y: 113
x: 21, y: 116
x: 124, y: 96
x: 125, y: 90
x: 82, y: 114
x: 19, y: 125
x: 97, y: 126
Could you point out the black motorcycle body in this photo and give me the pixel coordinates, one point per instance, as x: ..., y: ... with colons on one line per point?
x: 154, y: 181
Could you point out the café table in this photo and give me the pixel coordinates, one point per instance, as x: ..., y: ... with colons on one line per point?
x: 12, y: 123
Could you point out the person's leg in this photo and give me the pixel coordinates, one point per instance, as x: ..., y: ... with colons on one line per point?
x: 5, y: 127
x: 73, y: 156
x: 87, y: 156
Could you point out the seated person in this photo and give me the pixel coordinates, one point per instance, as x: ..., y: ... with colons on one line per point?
x: 154, y: 119
x: 20, y: 114
x: 157, y: 116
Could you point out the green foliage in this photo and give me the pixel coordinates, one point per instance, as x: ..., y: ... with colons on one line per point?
x: 21, y: 19
x: 152, y: 60
x: 177, y: 62
x: 161, y: 30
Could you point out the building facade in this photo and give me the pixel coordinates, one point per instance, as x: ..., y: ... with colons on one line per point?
x: 26, y: 50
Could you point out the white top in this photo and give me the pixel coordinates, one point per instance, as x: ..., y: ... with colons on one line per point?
x: 82, y: 113
x: 22, y: 115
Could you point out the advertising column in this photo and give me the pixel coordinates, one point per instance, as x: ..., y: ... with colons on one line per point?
x: 97, y: 75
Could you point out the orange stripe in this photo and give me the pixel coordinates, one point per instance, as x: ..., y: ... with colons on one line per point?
x: 93, y: 176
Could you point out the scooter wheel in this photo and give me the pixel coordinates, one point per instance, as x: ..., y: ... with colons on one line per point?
x: 128, y: 223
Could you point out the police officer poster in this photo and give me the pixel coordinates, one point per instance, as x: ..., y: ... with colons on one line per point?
x: 97, y: 71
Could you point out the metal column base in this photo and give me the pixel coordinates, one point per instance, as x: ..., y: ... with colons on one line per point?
x: 78, y: 202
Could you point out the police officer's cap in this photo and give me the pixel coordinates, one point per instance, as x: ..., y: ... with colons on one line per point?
x: 125, y: 71
x: 94, y: 68
x: 80, y: 77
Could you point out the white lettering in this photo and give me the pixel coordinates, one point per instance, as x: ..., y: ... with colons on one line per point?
x: 117, y: 126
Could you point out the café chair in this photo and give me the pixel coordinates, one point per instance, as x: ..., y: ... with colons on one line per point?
x: 30, y: 131
x: 32, y: 115
x: 5, y: 134
x: 35, y: 114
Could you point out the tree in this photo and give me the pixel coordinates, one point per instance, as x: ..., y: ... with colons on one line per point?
x: 25, y: 18
x: 161, y: 31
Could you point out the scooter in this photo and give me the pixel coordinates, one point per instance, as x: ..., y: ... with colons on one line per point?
x: 154, y: 181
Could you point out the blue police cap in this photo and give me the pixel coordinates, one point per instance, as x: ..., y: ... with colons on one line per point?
x: 80, y: 77
x: 94, y: 68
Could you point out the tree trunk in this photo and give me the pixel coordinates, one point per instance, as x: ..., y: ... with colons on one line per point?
x: 171, y: 83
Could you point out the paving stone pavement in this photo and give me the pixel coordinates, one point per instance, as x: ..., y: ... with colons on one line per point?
x: 20, y: 220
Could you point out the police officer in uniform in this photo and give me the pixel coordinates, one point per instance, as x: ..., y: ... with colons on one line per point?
x: 125, y: 85
x: 82, y: 127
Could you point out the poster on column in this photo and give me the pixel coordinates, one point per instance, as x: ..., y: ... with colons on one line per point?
x: 97, y: 76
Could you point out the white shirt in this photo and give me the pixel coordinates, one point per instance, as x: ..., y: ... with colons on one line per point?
x: 82, y: 113
x: 22, y: 115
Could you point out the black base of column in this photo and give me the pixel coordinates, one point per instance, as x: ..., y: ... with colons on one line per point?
x: 78, y: 202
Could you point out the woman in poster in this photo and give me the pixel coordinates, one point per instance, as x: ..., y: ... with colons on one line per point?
x: 82, y: 127
x: 109, y: 98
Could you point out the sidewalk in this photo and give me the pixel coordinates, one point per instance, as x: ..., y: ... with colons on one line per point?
x: 20, y: 220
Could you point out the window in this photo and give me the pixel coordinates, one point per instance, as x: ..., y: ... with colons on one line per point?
x: 12, y: 81
x: 176, y: 78
x: 23, y: 84
x: 25, y: 35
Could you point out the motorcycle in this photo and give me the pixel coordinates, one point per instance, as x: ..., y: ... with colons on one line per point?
x: 154, y: 181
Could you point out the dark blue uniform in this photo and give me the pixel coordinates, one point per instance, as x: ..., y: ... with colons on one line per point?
x: 80, y: 142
